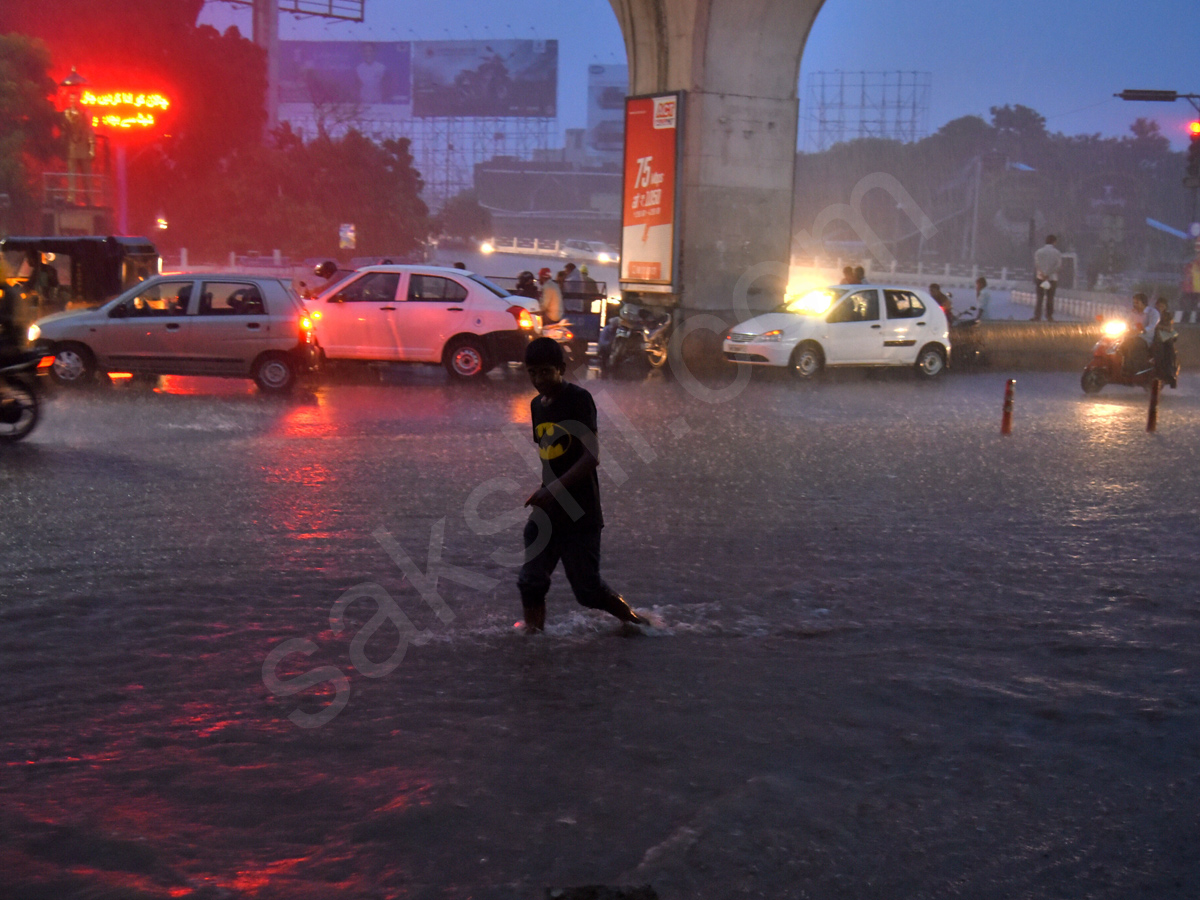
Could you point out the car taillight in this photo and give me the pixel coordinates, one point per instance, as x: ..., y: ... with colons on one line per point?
x: 45, y: 362
x: 306, y: 324
x: 524, y: 319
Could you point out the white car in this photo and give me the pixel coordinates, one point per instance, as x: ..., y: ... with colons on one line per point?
x: 590, y: 251
x: 424, y: 314
x: 846, y: 325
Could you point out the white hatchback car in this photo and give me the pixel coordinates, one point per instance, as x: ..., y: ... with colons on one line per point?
x: 425, y: 314
x: 846, y: 325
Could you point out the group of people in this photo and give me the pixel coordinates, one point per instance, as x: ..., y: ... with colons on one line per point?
x: 549, y: 291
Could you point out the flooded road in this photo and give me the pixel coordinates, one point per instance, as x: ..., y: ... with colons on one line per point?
x: 896, y: 655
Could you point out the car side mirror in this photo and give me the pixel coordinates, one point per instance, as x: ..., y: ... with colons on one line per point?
x: 120, y: 311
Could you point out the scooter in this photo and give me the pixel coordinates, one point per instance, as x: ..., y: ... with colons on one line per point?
x: 639, y: 333
x: 575, y: 350
x: 19, y: 409
x: 967, y: 340
x: 1107, y: 365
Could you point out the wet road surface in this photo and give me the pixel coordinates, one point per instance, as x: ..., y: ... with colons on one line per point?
x: 896, y: 654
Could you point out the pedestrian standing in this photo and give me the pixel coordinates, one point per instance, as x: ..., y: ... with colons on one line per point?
x: 1046, y: 263
x: 572, y: 281
x: 566, y: 520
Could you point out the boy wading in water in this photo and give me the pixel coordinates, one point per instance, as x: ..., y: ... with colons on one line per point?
x: 566, y: 519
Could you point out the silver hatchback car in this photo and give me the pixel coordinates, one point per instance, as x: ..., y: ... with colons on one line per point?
x: 239, y: 326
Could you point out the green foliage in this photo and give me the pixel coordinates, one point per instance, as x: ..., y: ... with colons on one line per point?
x: 293, y: 195
x: 1085, y: 188
x: 463, y: 217
x: 29, y: 137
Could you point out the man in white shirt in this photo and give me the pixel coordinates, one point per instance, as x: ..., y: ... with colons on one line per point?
x: 1046, y: 263
x: 1143, y: 324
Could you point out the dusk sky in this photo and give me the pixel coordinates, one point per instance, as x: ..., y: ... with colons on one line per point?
x: 1064, y: 58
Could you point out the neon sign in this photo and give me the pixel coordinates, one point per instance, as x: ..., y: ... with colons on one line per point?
x: 124, y: 109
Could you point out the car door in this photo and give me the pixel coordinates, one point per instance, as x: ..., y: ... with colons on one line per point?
x: 229, y: 329
x: 434, y: 310
x: 147, y: 331
x: 853, y: 330
x: 358, y: 319
x: 903, y: 329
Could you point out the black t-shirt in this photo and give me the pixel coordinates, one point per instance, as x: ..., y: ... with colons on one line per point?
x: 562, y: 429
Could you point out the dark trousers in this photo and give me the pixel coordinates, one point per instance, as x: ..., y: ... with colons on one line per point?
x: 578, y: 546
x: 1045, y: 295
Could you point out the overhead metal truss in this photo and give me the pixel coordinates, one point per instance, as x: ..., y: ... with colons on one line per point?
x: 348, y: 10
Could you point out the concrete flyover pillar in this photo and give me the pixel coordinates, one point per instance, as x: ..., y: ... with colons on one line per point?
x: 739, y: 63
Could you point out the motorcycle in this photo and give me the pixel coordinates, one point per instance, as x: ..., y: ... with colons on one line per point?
x: 639, y: 333
x: 574, y: 349
x: 1107, y: 365
x: 967, y: 339
x: 19, y: 408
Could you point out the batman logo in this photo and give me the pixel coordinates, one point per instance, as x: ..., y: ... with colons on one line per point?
x: 553, y: 441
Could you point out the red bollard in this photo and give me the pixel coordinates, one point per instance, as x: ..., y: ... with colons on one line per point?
x: 1152, y: 421
x: 1006, y: 419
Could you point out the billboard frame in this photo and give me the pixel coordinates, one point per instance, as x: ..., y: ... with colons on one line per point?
x: 661, y: 286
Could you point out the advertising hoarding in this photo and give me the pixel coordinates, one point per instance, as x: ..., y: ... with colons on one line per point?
x: 345, y: 72
x: 648, y: 207
x: 485, y: 78
x: 607, y: 87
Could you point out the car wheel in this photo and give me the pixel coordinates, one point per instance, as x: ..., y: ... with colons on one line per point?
x: 931, y: 362
x: 74, y: 365
x: 1093, y: 380
x: 807, y: 361
x: 274, y: 373
x: 465, y: 359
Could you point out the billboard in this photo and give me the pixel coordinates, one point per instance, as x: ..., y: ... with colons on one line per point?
x: 648, y: 208
x: 345, y: 72
x: 607, y: 86
x: 485, y: 78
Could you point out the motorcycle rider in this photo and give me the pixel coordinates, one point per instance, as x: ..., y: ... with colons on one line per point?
x: 11, y: 339
x: 1163, y: 347
x: 552, y: 300
x: 1142, y: 325
x: 527, y: 286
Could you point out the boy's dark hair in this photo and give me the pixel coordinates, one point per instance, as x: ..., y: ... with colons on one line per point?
x: 544, y: 351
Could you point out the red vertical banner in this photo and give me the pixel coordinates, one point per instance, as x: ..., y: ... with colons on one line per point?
x: 648, y: 226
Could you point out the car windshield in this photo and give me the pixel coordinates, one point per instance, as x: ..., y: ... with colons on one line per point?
x: 812, y: 303
x: 498, y: 291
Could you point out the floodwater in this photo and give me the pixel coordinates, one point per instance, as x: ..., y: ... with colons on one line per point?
x: 896, y: 653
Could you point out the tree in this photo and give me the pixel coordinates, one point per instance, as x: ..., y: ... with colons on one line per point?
x: 463, y: 217
x: 216, y: 82
x: 293, y: 196
x: 30, y: 137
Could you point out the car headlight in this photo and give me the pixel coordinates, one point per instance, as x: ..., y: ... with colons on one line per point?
x: 603, y: 257
x: 775, y: 335
x: 35, y: 334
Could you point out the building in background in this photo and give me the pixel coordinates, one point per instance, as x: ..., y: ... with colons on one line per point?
x: 459, y: 102
x: 607, y: 87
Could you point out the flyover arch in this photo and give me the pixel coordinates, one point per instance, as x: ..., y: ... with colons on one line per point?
x: 739, y: 63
